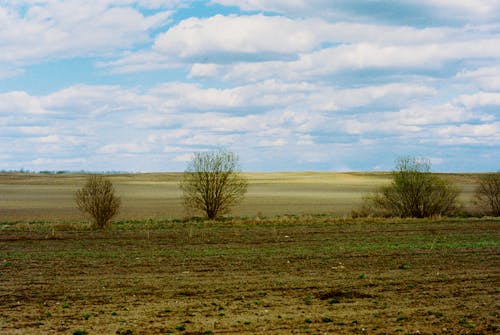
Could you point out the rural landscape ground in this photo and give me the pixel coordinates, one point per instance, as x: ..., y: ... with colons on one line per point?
x: 291, y: 261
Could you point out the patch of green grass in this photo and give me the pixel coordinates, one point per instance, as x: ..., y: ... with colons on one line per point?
x: 181, y: 328
x: 80, y: 332
x: 86, y: 316
x: 326, y: 319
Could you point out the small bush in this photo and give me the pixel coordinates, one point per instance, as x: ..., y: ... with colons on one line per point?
x: 97, y: 199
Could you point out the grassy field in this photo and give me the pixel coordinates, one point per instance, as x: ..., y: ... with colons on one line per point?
x: 25, y: 197
x: 280, y: 276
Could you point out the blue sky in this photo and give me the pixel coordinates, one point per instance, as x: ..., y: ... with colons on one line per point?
x: 289, y: 85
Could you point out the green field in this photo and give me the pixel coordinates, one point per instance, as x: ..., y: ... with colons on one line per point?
x: 32, y: 197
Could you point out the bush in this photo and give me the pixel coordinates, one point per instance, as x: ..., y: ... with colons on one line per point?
x: 488, y: 193
x: 97, y: 199
x: 413, y: 192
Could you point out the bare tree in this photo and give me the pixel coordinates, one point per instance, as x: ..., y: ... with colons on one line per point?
x: 488, y: 193
x: 97, y: 199
x: 414, y: 192
x: 212, y: 183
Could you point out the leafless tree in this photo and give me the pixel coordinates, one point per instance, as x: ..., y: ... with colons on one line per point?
x: 212, y: 183
x: 488, y: 193
x: 97, y: 199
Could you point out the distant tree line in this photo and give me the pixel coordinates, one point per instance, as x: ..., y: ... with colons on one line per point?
x: 213, y: 184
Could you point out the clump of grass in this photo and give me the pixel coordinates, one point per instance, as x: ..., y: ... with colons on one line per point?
x: 181, y: 328
x: 361, y: 276
x: 308, y: 320
x: 326, y: 319
x: 401, y: 318
x: 80, y: 332
x: 86, y: 316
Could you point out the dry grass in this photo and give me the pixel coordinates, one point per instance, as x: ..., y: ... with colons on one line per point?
x: 25, y: 197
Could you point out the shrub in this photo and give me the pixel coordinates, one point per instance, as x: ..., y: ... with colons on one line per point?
x: 97, y: 199
x: 488, y: 193
x: 413, y: 192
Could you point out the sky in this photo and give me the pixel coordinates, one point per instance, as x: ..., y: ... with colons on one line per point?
x: 288, y: 85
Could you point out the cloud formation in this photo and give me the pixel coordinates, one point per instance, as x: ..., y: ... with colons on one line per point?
x: 289, y: 85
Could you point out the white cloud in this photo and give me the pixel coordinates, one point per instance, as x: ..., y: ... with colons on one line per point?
x: 203, y: 70
x: 258, y: 38
x: 62, y: 29
x: 487, y: 78
x: 486, y: 134
x: 129, y: 148
x: 19, y: 102
x: 441, y: 114
x: 237, y: 35
x: 366, y: 56
x: 479, y: 99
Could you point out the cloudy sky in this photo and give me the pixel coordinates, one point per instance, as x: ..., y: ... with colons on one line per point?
x: 330, y: 85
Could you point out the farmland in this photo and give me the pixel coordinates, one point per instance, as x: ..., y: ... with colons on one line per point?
x: 25, y: 197
x: 269, y: 273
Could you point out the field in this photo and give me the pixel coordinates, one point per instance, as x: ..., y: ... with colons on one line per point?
x: 25, y: 197
x: 304, y: 274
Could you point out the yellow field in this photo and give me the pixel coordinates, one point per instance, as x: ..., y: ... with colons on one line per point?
x: 29, y: 197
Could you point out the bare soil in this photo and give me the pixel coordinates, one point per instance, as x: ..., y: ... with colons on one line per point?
x: 314, y: 276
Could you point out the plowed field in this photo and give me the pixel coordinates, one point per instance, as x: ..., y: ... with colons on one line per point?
x: 282, y: 276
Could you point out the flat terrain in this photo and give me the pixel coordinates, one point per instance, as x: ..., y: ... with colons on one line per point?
x: 26, y: 197
x: 310, y: 275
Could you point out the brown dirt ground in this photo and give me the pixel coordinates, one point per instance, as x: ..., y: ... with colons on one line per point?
x: 382, y: 277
